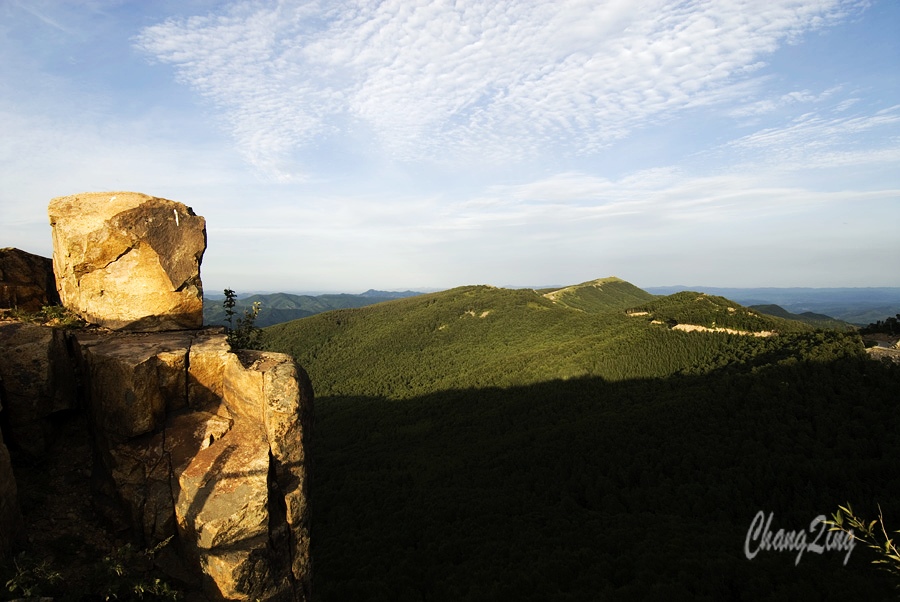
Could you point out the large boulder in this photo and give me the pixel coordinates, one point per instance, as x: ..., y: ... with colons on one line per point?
x: 26, y: 281
x: 129, y: 261
x: 38, y: 381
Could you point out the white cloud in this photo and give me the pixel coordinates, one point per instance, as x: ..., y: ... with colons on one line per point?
x: 473, y: 80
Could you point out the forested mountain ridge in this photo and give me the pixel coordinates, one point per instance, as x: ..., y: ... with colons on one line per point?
x: 713, y: 312
x: 477, y: 336
x: 858, y: 306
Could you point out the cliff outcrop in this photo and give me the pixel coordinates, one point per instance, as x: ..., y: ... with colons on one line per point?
x: 206, y: 446
x: 193, y: 443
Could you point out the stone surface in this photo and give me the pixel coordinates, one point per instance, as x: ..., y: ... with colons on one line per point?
x: 189, y: 442
x: 223, y: 510
x: 288, y: 421
x: 38, y: 381
x: 142, y: 470
x: 26, y: 281
x: 210, y: 353
x: 129, y: 261
x: 194, y: 440
x: 133, y: 379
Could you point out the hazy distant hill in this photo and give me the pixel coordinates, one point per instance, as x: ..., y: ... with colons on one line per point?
x: 859, y: 306
x: 577, y: 444
x: 811, y: 318
x: 284, y: 307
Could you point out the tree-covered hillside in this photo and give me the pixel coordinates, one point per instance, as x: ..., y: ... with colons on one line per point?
x: 642, y: 489
x: 858, y: 306
x: 486, y: 444
x: 481, y: 336
x: 711, y: 311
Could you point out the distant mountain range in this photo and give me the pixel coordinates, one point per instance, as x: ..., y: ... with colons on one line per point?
x: 812, y: 318
x: 276, y: 308
x: 820, y: 307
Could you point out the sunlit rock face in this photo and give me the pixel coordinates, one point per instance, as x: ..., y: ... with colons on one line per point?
x: 195, y: 446
x: 129, y: 261
x: 197, y: 442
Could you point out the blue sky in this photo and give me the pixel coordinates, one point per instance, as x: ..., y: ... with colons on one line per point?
x: 341, y: 146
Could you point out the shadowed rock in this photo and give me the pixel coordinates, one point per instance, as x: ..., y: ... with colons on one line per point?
x: 10, y: 515
x: 38, y: 381
x: 192, y: 443
x: 26, y: 281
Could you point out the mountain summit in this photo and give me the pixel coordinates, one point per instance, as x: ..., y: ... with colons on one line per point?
x: 603, y: 294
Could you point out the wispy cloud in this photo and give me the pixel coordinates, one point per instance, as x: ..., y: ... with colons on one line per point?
x: 475, y: 80
x: 34, y: 9
x: 822, y: 140
x: 769, y: 105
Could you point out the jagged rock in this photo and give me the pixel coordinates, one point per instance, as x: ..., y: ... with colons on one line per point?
x: 38, y: 380
x: 286, y: 394
x: 190, y: 441
x: 224, y: 508
x: 198, y: 441
x: 10, y: 514
x: 271, y: 390
x: 26, y: 281
x: 129, y: 261
x: 142, y: 470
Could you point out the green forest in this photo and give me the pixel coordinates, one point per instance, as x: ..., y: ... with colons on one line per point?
x: 485, y: 444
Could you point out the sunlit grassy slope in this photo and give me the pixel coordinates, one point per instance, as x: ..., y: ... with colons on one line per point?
x: 600, y: 295
x: 478, y: 336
